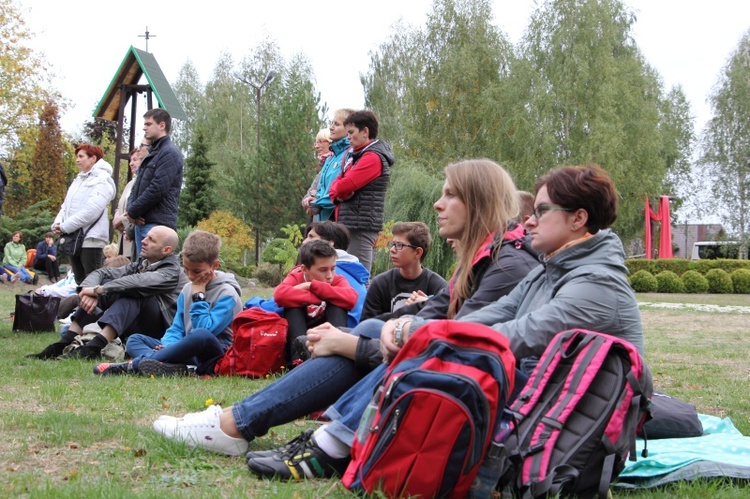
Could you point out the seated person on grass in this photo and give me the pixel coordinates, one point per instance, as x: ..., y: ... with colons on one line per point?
x: 408, y: 281
x: 312, y: 293
x: 139, y: 297
x: 406, y: 284
x: 347, y: 265
x: 202, y: 329
x: 46, y: 257
x: 14, y: 261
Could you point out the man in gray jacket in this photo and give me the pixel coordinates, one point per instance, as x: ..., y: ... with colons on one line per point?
x: 140, y: 297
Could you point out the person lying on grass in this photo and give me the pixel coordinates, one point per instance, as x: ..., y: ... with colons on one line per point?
x: 202, y: 328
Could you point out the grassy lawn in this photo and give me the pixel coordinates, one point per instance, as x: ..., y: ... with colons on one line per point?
x: 65, y: 432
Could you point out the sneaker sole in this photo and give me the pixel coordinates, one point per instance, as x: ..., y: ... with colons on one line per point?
x: 151, y: 367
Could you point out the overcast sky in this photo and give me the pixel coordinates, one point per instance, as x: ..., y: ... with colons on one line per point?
x: 85, y: 40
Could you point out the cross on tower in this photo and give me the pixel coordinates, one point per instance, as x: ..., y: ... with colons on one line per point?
x: 147, y: 36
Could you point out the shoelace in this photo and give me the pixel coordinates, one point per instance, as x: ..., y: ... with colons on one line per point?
x: 296, y: 446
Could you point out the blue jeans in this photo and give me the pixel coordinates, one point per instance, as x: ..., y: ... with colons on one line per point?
x: 199, y: 347
x: 140, y: 232
x: 347, y: 412
x: 23, y: 274
x: 311, y: 386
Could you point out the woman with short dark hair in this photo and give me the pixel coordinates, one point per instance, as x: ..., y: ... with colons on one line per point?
x: 46, y: 257
x: 85, y: 208
x: 359, y: 190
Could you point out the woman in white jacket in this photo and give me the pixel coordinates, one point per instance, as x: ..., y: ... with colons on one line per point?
x: 85, y: 208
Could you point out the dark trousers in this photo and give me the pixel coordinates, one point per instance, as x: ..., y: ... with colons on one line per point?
x: 126, y: 315
x: 52, y: 267
x: 300, y: 322
x: 87, y: 261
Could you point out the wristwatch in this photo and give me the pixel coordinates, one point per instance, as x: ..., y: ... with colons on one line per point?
x: 199, y: 296
x: 398, y: 333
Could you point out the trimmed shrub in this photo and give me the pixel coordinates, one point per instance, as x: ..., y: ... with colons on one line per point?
x: 669, y: 282
x: 741, y: 281
x: 644, y: 281
x: 269, y: 274
x: 719, y: 281
x: 694, y: 282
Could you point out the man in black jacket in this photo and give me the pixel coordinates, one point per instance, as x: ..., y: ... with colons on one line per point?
x: 156, y: 191
x: 140, y: 297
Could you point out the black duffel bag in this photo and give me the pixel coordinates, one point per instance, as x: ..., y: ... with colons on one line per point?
x: 35, y: 313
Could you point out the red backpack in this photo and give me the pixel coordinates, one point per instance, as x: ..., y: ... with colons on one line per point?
x: 577, y: 416
x: 258, y: 347
x: 437, y: 412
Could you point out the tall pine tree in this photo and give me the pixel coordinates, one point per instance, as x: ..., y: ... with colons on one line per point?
x: 197, y: 200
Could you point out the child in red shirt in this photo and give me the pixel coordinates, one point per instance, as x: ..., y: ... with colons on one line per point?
x: 313, y: 294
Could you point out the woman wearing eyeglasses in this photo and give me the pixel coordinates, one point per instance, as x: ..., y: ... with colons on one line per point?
x: 581, y: 284
x: 492, y: 260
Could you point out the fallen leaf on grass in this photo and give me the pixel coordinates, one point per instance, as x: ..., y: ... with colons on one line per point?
x: 139, y: 452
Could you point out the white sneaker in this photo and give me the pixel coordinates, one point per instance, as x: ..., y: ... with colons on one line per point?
x: 201, y: 430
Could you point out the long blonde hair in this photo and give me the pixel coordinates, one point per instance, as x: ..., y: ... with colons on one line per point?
x: 491, y: 200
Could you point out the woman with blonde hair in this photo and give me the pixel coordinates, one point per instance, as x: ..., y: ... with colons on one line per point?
x: 582, y: 284
x: 478, y: 199
x: 323, y: 151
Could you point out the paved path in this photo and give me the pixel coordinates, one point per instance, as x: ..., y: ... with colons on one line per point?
x: 724, y: 309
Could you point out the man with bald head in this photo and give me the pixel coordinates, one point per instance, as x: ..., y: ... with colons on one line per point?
x: 140, y: 297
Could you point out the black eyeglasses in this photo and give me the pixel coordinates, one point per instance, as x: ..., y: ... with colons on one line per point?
x: 544, y: 208
x: 399, y: 246
x: 144, y: 145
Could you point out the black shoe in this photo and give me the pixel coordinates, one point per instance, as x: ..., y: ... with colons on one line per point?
x: 50, y: 352
x: 35, y: 280
x: 152, y: 367
x: 85, y: 352
x: 299, y: 459
x: 109, y: 368
x: 300, y: 352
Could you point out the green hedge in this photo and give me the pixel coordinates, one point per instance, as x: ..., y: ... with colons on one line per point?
x: 644, y: 281
x: 669, y: 282
x: 694, y: 282
x: 680, y: 265
x: 719, y: 281
x: 741, y: 281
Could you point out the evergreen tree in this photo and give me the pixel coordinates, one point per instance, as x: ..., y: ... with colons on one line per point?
x: 48, y: 171
x: 198, y: 198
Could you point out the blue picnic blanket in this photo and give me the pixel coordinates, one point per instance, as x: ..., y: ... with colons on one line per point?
x: 722, y: 451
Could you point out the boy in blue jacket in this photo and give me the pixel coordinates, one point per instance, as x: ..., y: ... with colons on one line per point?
x: 202, y: 329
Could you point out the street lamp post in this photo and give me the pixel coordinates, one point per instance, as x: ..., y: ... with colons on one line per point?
x: 270, y: 76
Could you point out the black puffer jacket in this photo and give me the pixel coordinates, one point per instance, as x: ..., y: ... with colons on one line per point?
x: 364, y: 210
x: 156, y: 191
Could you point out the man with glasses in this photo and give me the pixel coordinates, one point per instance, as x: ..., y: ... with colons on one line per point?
x: 408, y: 282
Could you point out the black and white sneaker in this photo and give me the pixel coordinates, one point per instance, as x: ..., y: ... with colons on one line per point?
x: 153, y: 367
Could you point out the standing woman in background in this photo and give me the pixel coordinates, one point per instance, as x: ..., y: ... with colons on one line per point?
x: 85, y: 208
x: 322, y: 148
x: 359, y: 190
x: 331, y: 168
x: 119, y: 221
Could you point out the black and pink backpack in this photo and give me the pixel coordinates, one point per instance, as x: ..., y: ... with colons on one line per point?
x: 575, y: 420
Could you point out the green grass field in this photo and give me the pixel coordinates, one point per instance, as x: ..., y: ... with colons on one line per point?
x: 65, y: 432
